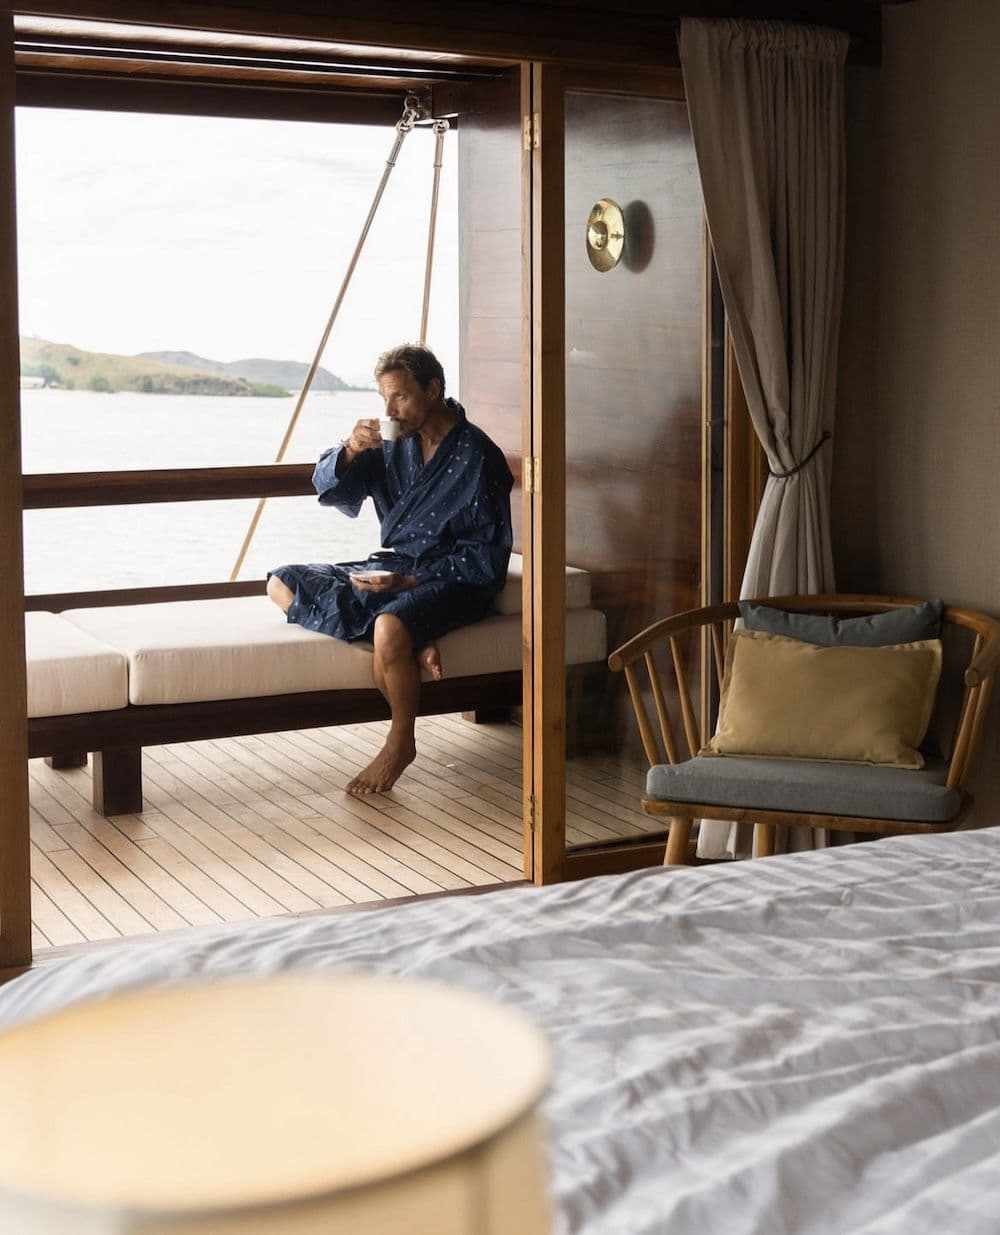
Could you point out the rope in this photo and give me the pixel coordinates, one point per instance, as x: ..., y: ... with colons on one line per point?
x: 440, y: 128
x: 799, y: 466
x: 411, y: 113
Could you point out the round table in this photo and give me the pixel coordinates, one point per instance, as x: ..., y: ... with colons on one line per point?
x: 290, y: 1104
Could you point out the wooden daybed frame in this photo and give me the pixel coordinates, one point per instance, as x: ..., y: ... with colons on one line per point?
x: 117, y: 737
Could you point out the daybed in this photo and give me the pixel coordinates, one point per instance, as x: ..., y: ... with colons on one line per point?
x: 112, y: 680
x: 807, y: 1045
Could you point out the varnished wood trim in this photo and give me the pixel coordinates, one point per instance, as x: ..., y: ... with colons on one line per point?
x: 176, y: 96
x: 528, y: 619
x: 492, y: 28
x: 636, y: 32
x: 661, y: 82
x: 614, y: 859
x: 56, y: 602
x: 548, y: 437
x: 15, y: 878
x: 116, y: 53
x: 708, y: 514
x: 60, y: 490
x: 56, y: 490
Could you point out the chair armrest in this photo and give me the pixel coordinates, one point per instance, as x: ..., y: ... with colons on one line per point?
x: 639, y: 644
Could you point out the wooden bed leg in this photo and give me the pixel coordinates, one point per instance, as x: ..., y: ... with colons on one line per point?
x: 75, y: 759
x: 677, y: 842
x: 763, y: 840
x: 487, y: 716
x: 118, y: 780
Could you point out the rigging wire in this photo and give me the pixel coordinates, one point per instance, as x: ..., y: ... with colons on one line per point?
x: 405, y: 124
x: 440, y: 128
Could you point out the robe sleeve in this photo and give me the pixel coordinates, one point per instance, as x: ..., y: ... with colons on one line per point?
x: 478, y: 551
x: 348, y: 491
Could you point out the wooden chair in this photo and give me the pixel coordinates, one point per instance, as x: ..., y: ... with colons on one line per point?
x: 682, y: 787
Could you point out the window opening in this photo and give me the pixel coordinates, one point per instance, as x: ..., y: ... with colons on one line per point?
x: 404, y: 126
x: 107, y: 234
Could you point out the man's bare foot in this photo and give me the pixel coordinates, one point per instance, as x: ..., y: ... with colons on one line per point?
x: 429, y: 658
x: 384, y: 770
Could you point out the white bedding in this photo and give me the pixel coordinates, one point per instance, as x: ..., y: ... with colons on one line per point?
x: 804, y: 1044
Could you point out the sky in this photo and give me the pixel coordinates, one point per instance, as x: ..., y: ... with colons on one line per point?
x: 229, y: 238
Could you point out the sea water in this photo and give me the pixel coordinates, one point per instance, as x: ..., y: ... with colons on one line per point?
x: 181, y: 542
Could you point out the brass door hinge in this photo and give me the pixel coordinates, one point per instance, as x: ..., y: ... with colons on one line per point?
x: 532, y: 130
x: 531, y: 812
x: 530, y: 474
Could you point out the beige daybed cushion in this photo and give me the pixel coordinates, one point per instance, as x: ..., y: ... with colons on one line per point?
x: 494, y: 644
x: 241, y: 647
x: 236, y: 648
x: 71, y: 671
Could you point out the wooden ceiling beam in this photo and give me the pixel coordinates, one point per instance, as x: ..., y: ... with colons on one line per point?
x: 638, y: 32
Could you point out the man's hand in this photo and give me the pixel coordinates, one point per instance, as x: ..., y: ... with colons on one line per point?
x: 364, y: 436
x: 390, y: 583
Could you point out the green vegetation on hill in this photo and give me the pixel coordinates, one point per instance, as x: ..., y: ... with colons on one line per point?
x: 71, y: 368
x: 289, y: 374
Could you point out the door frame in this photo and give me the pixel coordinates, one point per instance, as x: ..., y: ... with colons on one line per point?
x: 15, y: 873
x: 543, y: 86
x: 546, y: 859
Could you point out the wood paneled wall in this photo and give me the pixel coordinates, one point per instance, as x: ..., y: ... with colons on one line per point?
x: 634, y: 370
x: 490, y: 276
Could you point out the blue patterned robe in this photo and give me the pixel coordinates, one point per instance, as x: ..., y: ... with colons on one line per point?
x: 447, y: 523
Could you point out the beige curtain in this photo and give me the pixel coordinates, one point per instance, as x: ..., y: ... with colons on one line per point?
x: 766, y: 101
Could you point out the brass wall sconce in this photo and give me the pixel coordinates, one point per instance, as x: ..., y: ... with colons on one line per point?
x: 605, y: 234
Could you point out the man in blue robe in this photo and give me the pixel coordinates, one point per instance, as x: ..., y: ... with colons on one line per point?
x: 442, y: 493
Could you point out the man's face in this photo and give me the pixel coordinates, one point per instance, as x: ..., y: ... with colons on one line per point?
x: 405, y: 400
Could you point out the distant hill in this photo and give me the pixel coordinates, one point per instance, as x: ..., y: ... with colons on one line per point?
x: 72, y: 368
x: 289, y: 374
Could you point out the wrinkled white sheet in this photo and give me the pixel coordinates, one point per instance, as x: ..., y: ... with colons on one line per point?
x: 806, y: 1044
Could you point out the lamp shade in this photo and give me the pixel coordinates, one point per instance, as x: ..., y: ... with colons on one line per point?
x: 291, y: 1105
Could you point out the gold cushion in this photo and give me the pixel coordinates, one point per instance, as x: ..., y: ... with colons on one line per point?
x: 783, y: 697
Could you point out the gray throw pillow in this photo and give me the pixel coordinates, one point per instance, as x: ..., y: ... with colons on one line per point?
x: 908, y: 625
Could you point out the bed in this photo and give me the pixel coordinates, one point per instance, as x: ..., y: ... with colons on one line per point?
x: 803, y: 1044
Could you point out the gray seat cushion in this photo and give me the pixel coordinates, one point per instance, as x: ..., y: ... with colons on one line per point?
x: 809, y: 787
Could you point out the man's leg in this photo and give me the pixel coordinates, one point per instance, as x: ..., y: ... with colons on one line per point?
x: 280, y: 593
x: 397, y: 675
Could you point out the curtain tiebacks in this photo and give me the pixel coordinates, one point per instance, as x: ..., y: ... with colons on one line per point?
x: 799, y: 466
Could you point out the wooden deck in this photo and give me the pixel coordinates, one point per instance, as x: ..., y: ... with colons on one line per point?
x: 260, y: 826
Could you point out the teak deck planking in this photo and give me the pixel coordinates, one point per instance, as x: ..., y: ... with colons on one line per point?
x: 259, y: 826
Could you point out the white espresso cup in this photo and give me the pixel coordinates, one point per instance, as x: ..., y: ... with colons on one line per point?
x: 389, y: 430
